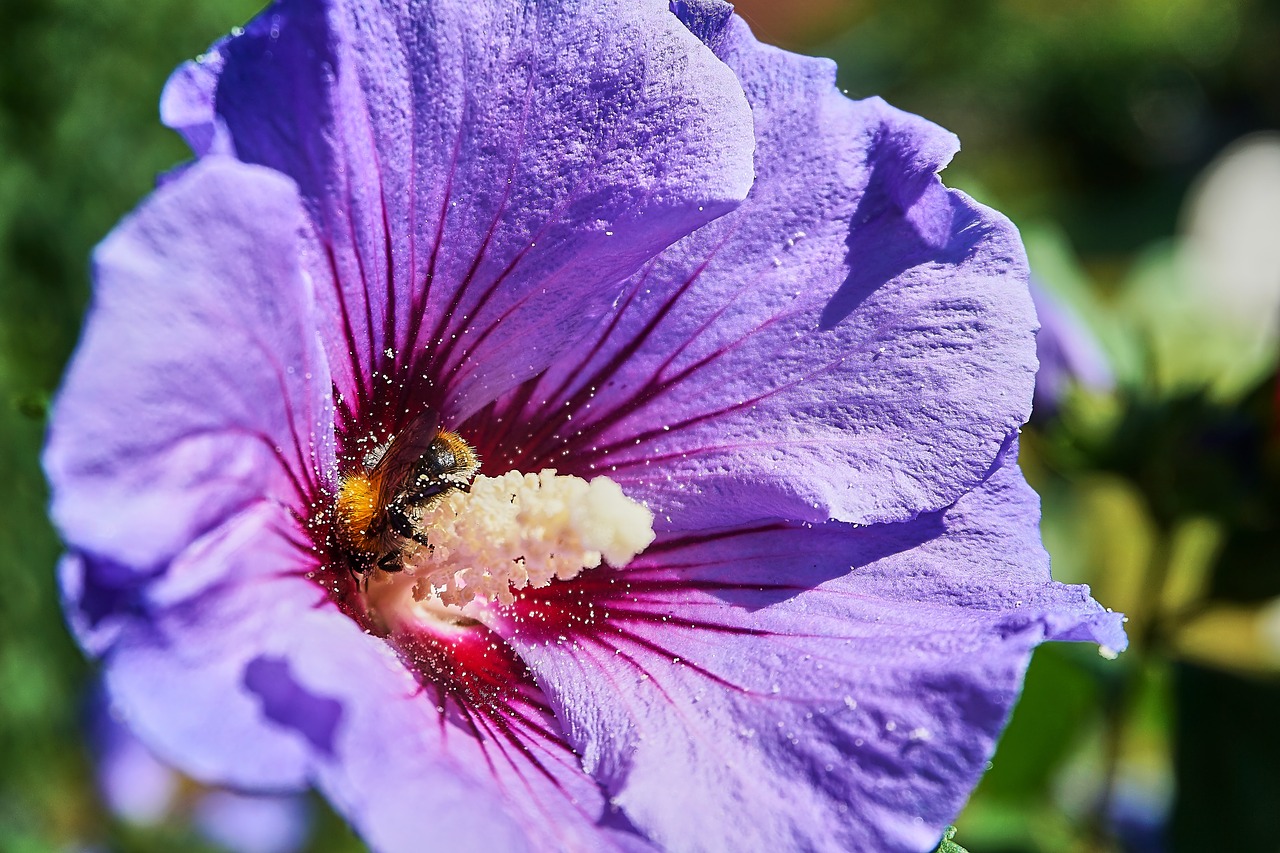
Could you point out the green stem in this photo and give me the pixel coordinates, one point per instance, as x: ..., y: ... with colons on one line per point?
x: 1144, y: 633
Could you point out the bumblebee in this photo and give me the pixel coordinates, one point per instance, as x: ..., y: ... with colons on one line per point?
x: 377, y: 503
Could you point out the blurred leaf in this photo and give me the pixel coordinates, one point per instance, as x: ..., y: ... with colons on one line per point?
x: 949, y: 846
x: 1180, y: 338
x: 1194, y: 550
x: 1055, y: 264
x: 1059, y: 704
x: 1227, y: 752
x: 1232, y: 638
x: 1058, y: 698
x: 1094, y: 114
x: 1187, y: 455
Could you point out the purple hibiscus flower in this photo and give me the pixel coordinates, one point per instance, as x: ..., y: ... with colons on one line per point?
x: 138, y: 788
x: 565, y: 425
x: 1068, y: 352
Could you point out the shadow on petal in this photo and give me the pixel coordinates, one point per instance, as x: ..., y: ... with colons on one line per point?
x: 900, y: 223
x: 288, y: 703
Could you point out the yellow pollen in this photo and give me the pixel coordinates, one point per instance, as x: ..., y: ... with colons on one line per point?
x: 523, y: 530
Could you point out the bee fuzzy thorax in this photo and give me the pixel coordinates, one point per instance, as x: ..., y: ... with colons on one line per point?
x: 376, y: 500
x: 522, y: 531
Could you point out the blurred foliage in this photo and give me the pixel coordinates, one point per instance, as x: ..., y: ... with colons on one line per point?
x: 948, y: 844
x: 1095, y: 113
x: 1085, y: 121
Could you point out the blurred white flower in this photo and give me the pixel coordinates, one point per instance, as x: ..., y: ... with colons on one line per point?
x: 1205, y: 308
x: 1232, y: 238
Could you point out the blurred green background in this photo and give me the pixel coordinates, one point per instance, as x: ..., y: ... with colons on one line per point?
x: 1128, y: 139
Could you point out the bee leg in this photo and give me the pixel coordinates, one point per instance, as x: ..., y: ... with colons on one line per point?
x: 402, y: 524
x: 359, y: 567
x: 400, y: 521
x: 389, y: 562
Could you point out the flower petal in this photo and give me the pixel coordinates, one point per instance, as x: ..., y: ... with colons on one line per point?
x: 484, y: 175
x: 135, y: 785
x: 754, y: 672
x: 235, y: 666
x: 253, y: 824
x: 175, y: 666
x: 187, y: 104
x: 854, y: 341
x: 496, y: 772
x: 1068, y: 353
x: 199, y: 386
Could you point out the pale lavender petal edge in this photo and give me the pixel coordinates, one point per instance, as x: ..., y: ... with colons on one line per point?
x: 199, y: 385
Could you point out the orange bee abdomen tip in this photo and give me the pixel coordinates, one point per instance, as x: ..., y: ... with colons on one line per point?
x: 357, y: 511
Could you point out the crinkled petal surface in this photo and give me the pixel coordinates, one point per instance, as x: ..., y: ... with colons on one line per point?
x: 853, y: 342
x: 842, y: 686
x: 483, y: 175
x: 200, y: 386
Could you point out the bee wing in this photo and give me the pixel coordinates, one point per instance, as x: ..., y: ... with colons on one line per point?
x: 406, y: 448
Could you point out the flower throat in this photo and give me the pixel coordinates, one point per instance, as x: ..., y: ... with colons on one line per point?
x: 416, y: 515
